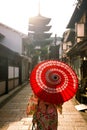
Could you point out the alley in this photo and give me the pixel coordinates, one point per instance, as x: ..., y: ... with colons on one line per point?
x: 13, y: 114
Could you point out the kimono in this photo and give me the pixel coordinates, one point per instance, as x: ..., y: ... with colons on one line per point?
x: 45, y: 115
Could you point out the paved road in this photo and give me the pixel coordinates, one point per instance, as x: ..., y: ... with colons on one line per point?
x: 13, y: 115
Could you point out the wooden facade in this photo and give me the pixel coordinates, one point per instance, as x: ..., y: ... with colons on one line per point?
x: 10, y: 70
x: 76, y: 55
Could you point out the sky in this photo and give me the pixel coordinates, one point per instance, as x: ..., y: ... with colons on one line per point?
x: 16, y: 13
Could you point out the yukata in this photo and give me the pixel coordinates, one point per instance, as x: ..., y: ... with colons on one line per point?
x: 45, y: 117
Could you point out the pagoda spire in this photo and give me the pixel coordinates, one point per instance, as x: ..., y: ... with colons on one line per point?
x: 39, y: 8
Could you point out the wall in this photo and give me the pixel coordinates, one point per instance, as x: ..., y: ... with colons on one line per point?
x: 12, y: 40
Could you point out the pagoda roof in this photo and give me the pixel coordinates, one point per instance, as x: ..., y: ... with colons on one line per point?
x: 39, y: 28
x: 42, y: 42
x: 41, y: 36
x: 39, y: 19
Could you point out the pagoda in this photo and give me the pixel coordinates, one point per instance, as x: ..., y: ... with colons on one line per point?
x: 38, y: 28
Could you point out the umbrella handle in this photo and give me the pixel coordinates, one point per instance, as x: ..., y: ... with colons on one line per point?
x: 33, y: 126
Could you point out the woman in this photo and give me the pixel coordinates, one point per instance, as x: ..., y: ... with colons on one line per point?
x: 45, y: 115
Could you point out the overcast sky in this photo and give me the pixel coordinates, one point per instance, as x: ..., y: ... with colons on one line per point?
x: 16, y: 13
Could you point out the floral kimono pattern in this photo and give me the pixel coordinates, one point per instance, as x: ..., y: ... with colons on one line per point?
x: 45, y: 115
x: 32, y: 104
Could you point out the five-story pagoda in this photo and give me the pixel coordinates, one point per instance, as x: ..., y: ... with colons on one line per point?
x: 38, y: 28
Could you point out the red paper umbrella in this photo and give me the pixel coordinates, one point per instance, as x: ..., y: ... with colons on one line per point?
x: 54, y: 81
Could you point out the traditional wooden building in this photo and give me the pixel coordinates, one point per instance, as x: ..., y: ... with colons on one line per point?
x: 14, y: 59
x: 77, y: 53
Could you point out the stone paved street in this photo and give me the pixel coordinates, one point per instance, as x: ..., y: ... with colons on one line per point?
x: 13, y: 114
